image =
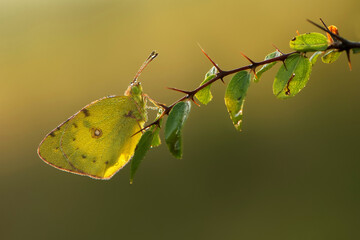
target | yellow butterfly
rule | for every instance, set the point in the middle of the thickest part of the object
(101, 138)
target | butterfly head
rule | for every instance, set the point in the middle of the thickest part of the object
(135, 92)
(135, 89)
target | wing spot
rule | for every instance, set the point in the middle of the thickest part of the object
(107, 162)
(75, 125)
(96, 132)
(74, 139)
(86, 112)
(130, 114)
(94, 161)
(52, 134)
(83, 156)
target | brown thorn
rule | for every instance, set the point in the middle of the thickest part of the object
(192, 99)
(253, 64)
(328, 35)
(323, 23)
(277, 49)
(178, 90)
(348, 57)
(253, 70)
(328, 31)
(146, 127)
(213, 63)
(247, 58)
(222, 80)
(163, 106)
(140, 131)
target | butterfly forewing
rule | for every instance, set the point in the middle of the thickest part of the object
(97, 141)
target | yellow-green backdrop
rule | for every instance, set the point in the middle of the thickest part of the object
(293, 173)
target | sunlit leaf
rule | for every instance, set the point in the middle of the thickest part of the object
(174, 125)
(156, 130)
(141, 149)
(267, 66)
(313, 59)
(235, 97)
(290, 80)
(309, 42)
(204, 95)
(330, 56)
(156, 139)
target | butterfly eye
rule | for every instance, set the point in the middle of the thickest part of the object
(96, 132)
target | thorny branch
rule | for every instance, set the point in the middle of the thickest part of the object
(339, 43)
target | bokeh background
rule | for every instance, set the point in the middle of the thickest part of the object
(292, 173)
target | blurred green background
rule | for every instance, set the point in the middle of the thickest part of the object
(293, 173)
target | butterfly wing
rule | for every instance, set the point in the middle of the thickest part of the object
(98, 140)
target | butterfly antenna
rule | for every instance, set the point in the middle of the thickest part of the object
(147, 61)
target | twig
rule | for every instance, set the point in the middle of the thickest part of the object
(341, 45)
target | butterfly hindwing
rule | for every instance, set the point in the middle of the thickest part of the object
(97, 141)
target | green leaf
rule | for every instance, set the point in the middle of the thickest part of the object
(309, 42)
(315, 56)
(235, 97)
(356, 50)
(290, 80)
(156, 130)
(204, 95)
(141, 149)
(156, 139)
(267, 66)
(174, 125)
(212, 71)
(331, 56)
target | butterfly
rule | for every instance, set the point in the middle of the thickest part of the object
(101, 138)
